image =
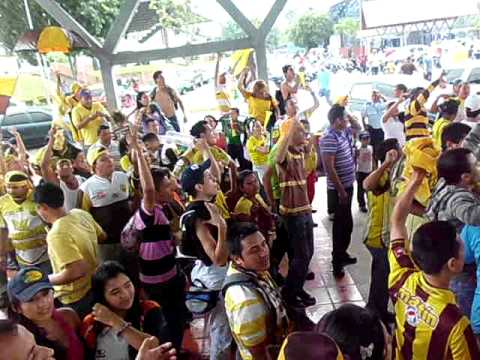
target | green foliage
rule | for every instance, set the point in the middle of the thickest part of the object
(348, 27)
(175, 14)
(95, 15)
(311, 30)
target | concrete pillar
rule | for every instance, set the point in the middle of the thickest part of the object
(261, 56)
(109, 84)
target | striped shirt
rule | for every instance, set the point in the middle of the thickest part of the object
(340, 145)
(26, 231)
(429, 324)
(157, 248)
(416, 119)
(293, 185)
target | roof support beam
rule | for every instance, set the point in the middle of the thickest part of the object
(239, 18)
(120, 26)
(270, 19)
(126, 57)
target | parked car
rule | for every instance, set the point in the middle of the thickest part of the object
(32, 123)
(468, 72)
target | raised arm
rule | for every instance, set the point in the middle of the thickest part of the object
(21, 148)
(241, 82)
(217, 250)
(146, 179)
(372, 181)
(47, 173)
(403, 205)
(316, 102)
(285, 142)
(389, 113)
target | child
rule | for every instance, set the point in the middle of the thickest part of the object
(153, 146)
(429, 324)
(251, 207)
(377, 238)
(364, 167)
(448, 112)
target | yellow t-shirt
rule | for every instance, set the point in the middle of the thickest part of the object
(72, 238)
(26, 230)
(89, 134)
(258, 108)
(126, 163)
(437, 131)
(377, 233)
(253, 143)
(311, 161)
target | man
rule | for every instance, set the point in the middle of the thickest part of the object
(429, 324)
(324, 76)
(233, 131)
(88, 116)
(168, 100)
(205, 238)
(72, 248)
(221, 93)
(373, 113)
(62, 175)
(17, 343)
(339, 163)
(20, 225)
(254, 306)
(105, 196)
(295, 210)
(105, 140)
(289, 87)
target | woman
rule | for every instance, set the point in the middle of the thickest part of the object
(31, 298)
(221, 140)
(116, 326)
(146, 110)
(392, 123)
(258, 149)
(261, 105)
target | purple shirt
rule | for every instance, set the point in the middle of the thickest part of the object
(340, 144)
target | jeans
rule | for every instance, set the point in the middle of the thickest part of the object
(342, 225)
(377, 136)
(300, 248)
(236, 153)
(378, 294)
(174, 122)
(360, 192)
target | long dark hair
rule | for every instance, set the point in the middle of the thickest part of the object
(105, 272)
(39, 333)
(139, 99)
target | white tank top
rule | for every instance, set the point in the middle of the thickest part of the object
(71, 196)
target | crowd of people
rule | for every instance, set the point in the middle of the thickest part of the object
(112, 240)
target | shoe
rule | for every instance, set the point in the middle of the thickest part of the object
(363, 209)
(331, 216)
(306, 298)
(310, 276)
(315, 225)
(314, 211)
(338, 271)
(348, 260)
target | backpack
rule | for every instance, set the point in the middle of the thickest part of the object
(130, 235)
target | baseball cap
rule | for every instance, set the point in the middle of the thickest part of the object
(309, 346)
(75, 87)
(94, 153)
(27, 283)
(193, 175)
(85, 93)
(364, 135)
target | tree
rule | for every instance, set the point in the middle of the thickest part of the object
(95, 15)
(232, 31)
(311, 30)
(347, 28)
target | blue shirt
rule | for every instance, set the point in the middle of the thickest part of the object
(340, 144)
(374, 113)
(324, 79)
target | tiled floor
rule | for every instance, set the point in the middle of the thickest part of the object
(329, 292)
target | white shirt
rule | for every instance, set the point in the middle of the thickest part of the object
(365, 159)
(394, 129)
(71, 196)
(103, 192)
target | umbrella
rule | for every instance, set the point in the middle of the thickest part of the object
(50, 39)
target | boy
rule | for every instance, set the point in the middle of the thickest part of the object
(377, 238)
(429, 324)
(364, 167)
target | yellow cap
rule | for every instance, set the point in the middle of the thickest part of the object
(342, 100)
(94, 153)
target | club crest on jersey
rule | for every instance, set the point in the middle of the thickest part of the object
(412, 316)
